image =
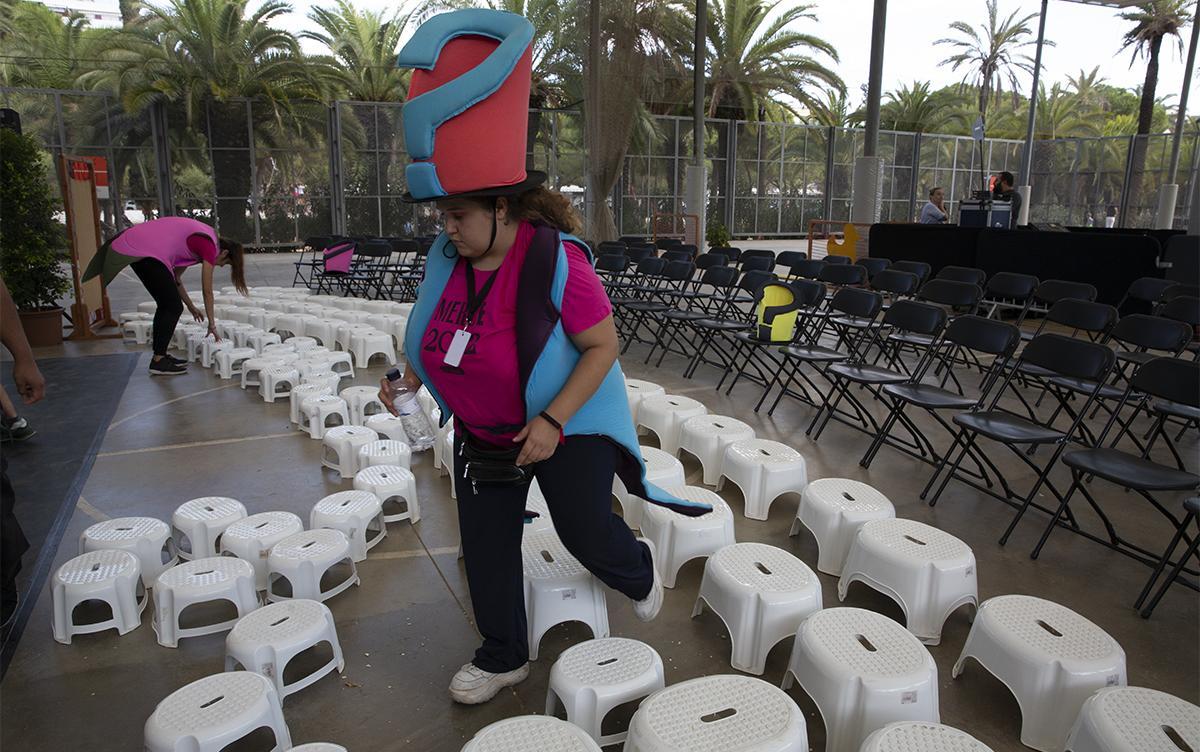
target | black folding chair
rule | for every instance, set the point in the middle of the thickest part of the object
(662, 298)
(806, 269)
(874, 265)
(611, 268)
(729, 252)
(1168, 379)
(1059, 355)
(758, 254)
(611, 246)
(1191, 508)
(736, 314)
(789, 258)
(1008, 291)
(707, 260)
(1146, 292)
(707, 298)
(665, 244)
(1053, 290)
(757, 263)
(310, 260)
(968, 274)
(639, 253)
(677, 255)
(919, 268)
(836, 260)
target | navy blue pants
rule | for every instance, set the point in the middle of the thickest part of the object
(577, 483)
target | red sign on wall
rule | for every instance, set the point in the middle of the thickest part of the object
(79, 171)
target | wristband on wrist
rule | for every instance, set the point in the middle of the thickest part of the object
(550, 419)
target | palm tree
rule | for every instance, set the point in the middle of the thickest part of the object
(1060, 115)
(1086, 87)
(990, 54)
(916, 109)
(202, 55)
(44, 50)
(362, 45)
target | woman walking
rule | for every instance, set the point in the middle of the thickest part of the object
(159, 252)
(512, 333)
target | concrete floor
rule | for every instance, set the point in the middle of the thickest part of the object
(408, 627)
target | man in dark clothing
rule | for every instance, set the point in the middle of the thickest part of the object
(1004, 190)
(31, 385)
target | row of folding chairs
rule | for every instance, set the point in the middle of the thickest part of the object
(378, 267)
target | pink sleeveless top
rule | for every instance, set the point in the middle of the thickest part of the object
(175, 241)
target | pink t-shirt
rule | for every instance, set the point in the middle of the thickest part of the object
(484, 391)
(175, 241)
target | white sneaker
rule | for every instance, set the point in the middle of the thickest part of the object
(472, 685)
(647, 608)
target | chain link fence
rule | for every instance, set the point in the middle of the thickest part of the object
(273, 175)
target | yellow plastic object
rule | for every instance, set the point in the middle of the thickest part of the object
(778, 310)
(848, 244)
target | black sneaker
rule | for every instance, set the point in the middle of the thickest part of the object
(165, 366)
(173, 359)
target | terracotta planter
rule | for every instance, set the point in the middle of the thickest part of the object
(43, 328)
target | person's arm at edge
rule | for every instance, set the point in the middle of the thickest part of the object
(183, 294)
(206, 283)
(29, 380)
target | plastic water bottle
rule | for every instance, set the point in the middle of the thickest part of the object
(416, 425)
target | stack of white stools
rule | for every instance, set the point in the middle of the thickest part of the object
(303, 559)
(1135, 719)
(384, 452)
(341, 445)
(919, 736)
(358, 514)
(591, 678)
(393, 485)
(197, 525)
(212, 713)
(706, 437)
(216, 578)
(303, 392)
(365, 345)
(322, 413)
(863, 671)
(833, 509)
(665, 414)
(146, 538)
(717, 714)
(111, 576)
(929, 572)
(662, 469)
(251, 539)
(1050, 658)
(763, 470)
(277, 381)
(137, 331)
(678, 538)
(529, 732)
(388, 426)
(230, 362)
(637, 390)
(252, 368)
(558, 589)
(266, 640)
(762, 593)
(363, 402)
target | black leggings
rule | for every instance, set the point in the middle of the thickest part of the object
(160, 283)
(577, 483)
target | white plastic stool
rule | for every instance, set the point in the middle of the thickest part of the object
(134, 316)
(303, 559)
(558, 589)
(833, 509)
(678, 538)
(763, 470)
(322, 413)
(323, 331)
(930, 573)
(266, 640)
(535, 501)
(252, 369)
(319, 747)
(1050, 658)
(717, 714)
(262, 340)
(385, 452)
(216, 578)
(137, 331)
(277, 381)
(348, 329)
(358, 514)
(637, 390)
(251, 539)
(311, 368)
(341, 445)
(302, 343)
(110, 576)
(241, 337)
(919, 736)
(762, 593)
(388, 426)
(591, 678)
(148, 306)
(530, 732)
(665, 414)
(863, 671)
(1135, 719)
(280, 348)
(195, 342)
(209, 349)
(196, 525)
(662, 469)
(303, 392)
(363, 402)
(211, 713)
(179, 340)
(389, 323)
(146, 538)
(290, 324)
(229, 362)
(366, 345)
(707, 436)
(392, 485)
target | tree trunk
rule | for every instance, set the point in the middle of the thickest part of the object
(1145, 119)
(129, 11)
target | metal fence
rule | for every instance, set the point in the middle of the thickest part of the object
(273, 175)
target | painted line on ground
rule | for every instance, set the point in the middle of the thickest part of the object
(415, 552)
(192, 444)
(152, 408)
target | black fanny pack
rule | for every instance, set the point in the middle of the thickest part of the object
(486, 466)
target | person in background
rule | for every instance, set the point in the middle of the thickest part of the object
(31, 386)
(934, 212)
(1004, 191)
(159, 252)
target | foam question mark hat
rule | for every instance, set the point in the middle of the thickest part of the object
(467, 114)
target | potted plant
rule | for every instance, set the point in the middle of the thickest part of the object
(717, 236)
(32, 241)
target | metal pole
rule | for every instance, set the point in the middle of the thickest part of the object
(1027, 158)
(1181, 117)
(875, 79)
(698, 60)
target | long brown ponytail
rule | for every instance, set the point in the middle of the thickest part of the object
(237, 263)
